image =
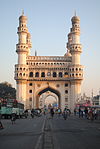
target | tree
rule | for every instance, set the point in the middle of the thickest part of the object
(7, 91)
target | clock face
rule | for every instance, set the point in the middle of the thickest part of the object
(48, 74)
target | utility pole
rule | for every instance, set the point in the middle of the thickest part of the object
(99, 96)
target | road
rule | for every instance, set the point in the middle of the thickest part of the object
(47, 133)
(21, 135)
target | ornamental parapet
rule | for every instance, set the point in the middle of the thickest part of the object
(48, 58)
(47, 66)
(48, 79)
(20, 77)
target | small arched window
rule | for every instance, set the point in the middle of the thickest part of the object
(43, 74)
(30, 91)
(20, 74)
(30, 84)
(66, 73)
(31, 74)
(66, 84)
(54, 74)
(37, 74)
(30, 99)
(66, 91)
(60, 74)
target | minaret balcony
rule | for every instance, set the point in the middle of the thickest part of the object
(22, 29)
(19, 77)
(21, 67)
(75, 68)
(75, 76)
(75, 48)
(21, 47)
(75, 29)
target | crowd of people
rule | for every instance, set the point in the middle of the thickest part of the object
(87, 112)
(65, 113)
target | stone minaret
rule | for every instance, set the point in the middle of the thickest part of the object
(23, 50)
(75, 69)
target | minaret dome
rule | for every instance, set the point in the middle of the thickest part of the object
(75, 19)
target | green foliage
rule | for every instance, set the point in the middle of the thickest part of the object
(7, 91)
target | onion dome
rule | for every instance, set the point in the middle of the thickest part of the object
(75, 19)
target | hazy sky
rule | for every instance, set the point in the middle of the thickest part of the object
(49, 22)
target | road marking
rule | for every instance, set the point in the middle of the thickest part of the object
(39, 142)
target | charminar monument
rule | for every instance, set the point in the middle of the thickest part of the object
(38, 77)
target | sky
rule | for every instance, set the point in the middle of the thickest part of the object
(49, 22)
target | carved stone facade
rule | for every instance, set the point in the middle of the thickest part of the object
(36, 75)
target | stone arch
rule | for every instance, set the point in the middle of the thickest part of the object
(31, 74)
(51, 95)
(40, 92)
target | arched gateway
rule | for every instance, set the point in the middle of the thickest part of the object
(46, 90)
(36, 75)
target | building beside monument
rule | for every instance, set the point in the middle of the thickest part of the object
(40, 76)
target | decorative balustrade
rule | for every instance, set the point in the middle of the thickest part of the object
(48, 58)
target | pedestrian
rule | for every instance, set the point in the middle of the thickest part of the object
(45, 110)
(79, 112)
(82, 113)
(75, 111)
(52, 112)
(1, 125)
(13, 118)
(59, 111)
(65, 112)
(91, 116)
(32, 113)
(95, 112)
(86, 112)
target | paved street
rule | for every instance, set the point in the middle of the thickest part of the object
(22, 135)
(46, 133)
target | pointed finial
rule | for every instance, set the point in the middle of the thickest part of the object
(75, 13)
(92, 93)
(22, 12)
(35, 53)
